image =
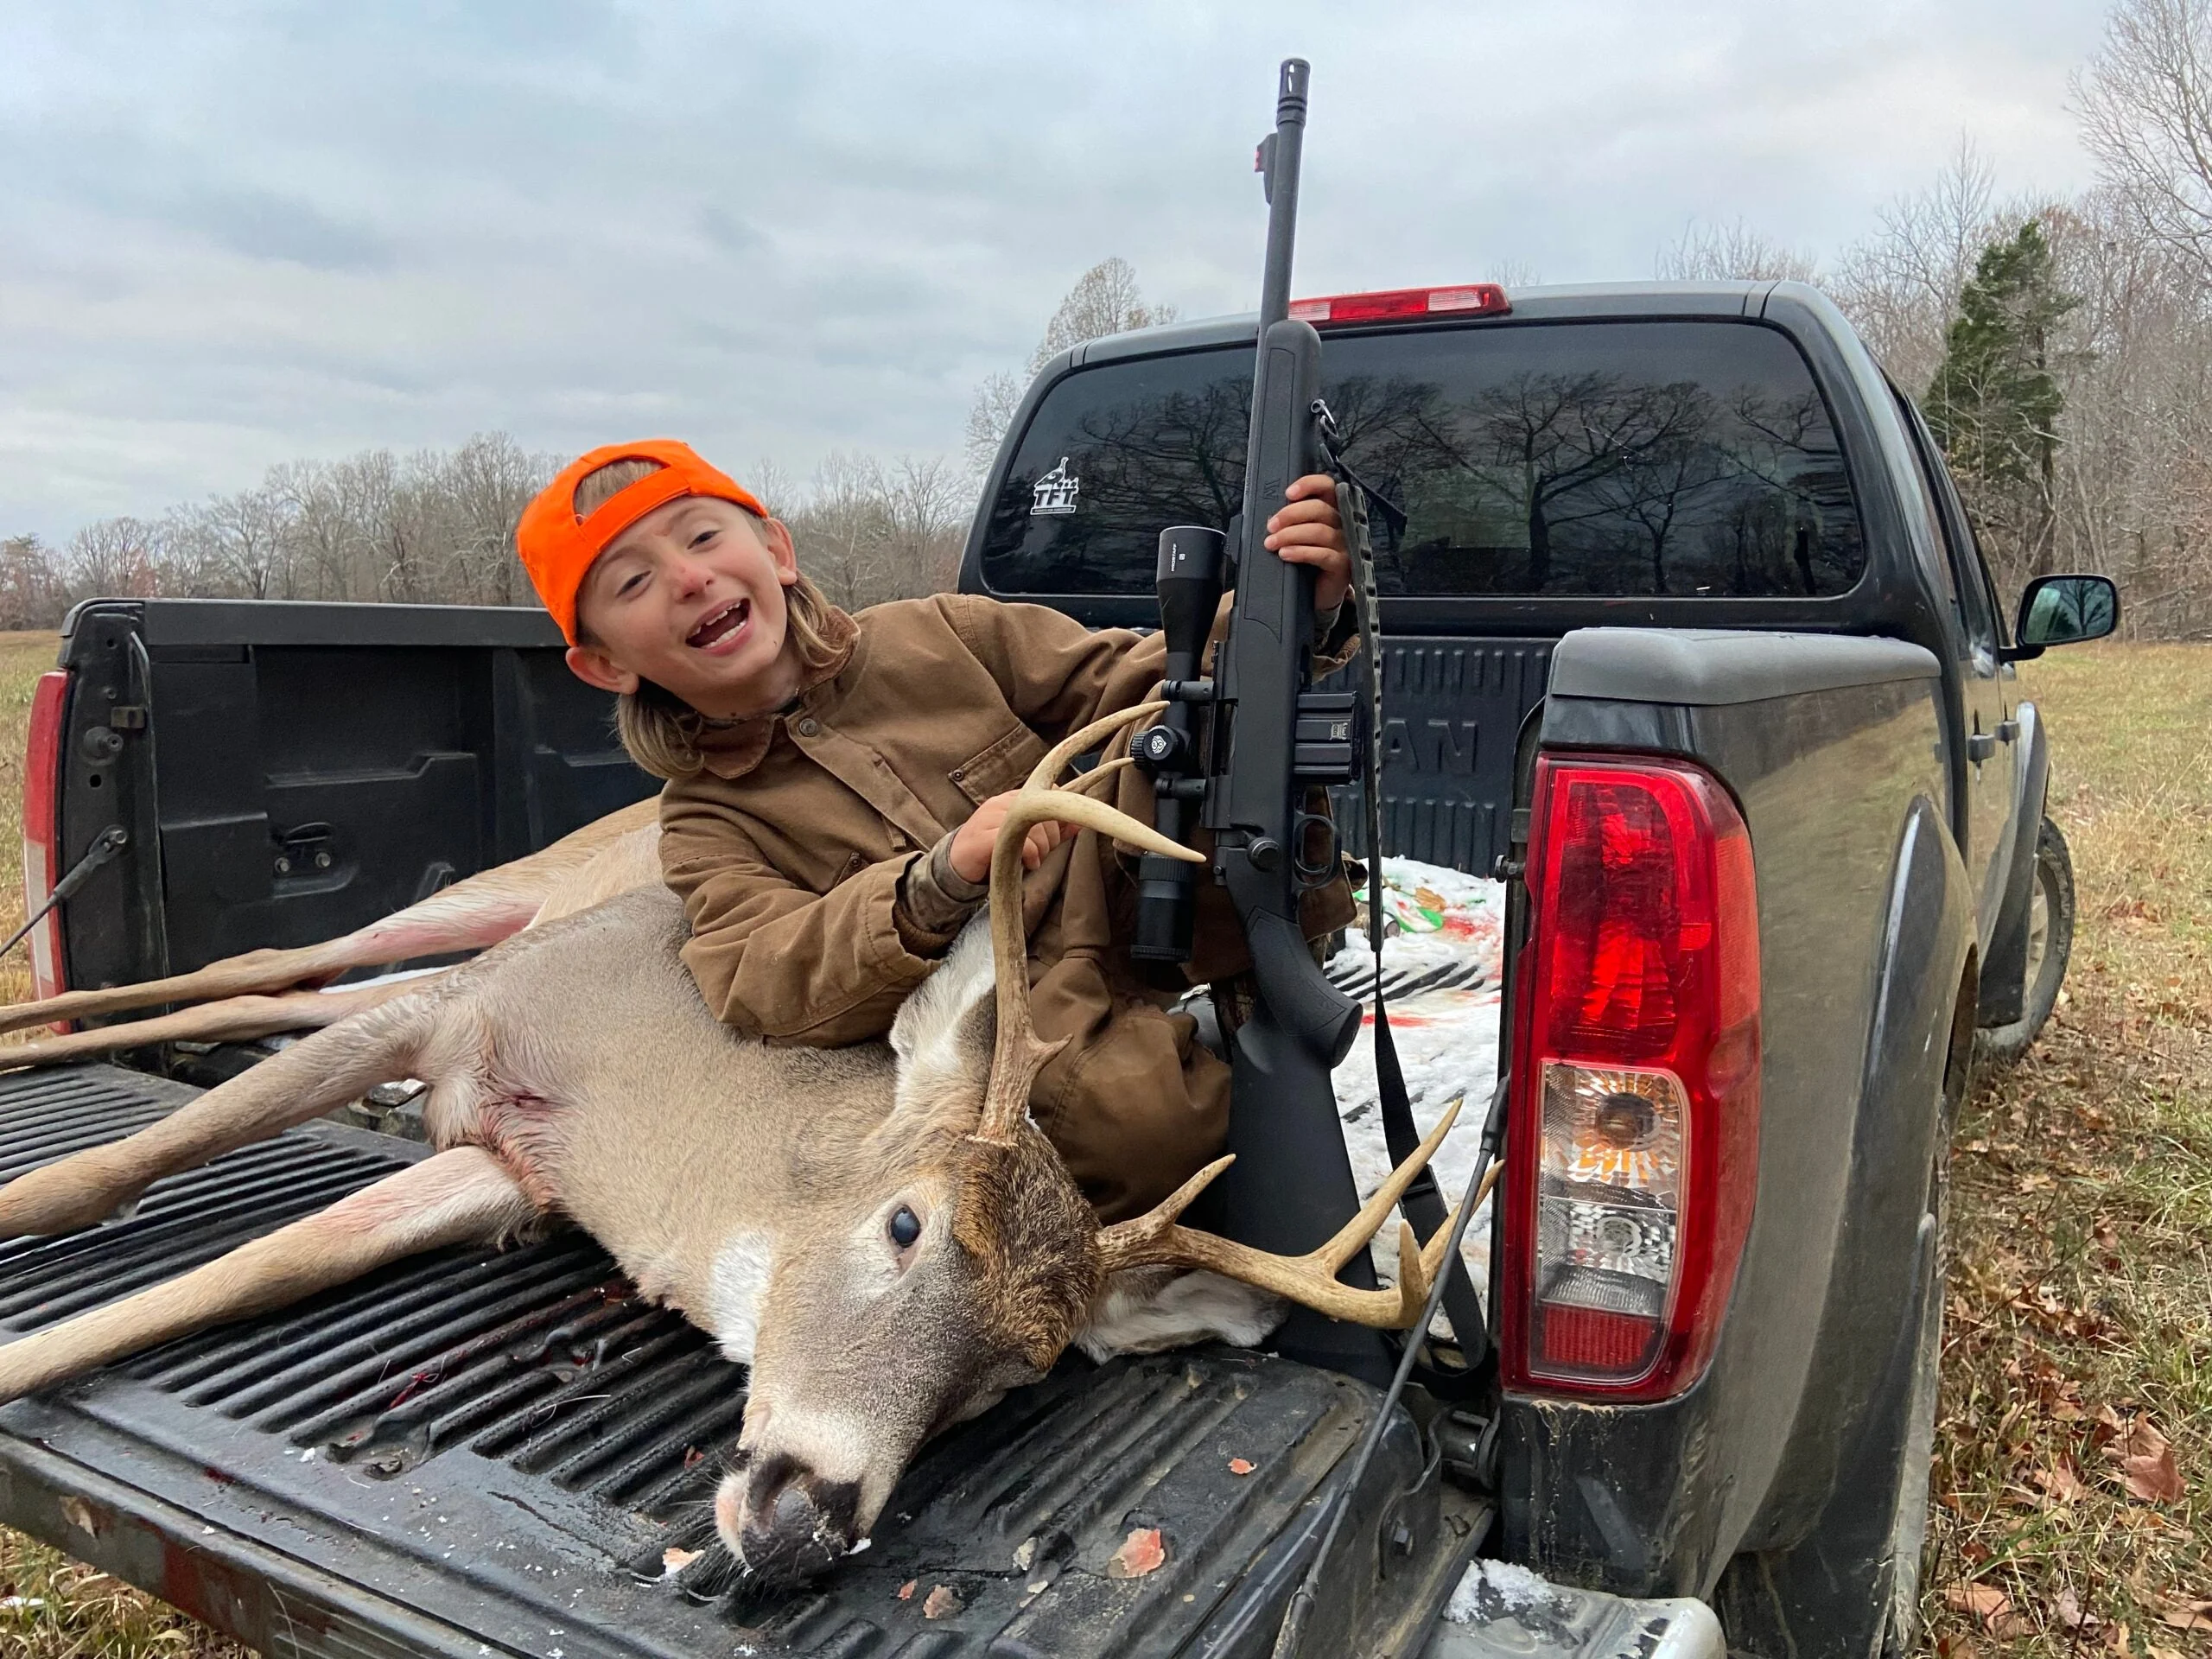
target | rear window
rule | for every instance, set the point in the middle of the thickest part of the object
(1612, 459)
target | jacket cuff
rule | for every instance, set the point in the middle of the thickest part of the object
(1336, 638)
(935, 901)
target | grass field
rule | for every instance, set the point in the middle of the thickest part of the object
(2076, 1428)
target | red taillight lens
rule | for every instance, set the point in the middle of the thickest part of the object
(1468, 299)
(42, 826)
(1633, 1152)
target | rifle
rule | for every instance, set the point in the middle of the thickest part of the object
(1245, 749)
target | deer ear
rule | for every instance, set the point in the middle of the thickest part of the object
(944, 1033)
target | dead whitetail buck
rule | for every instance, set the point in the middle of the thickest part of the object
(880, 1231)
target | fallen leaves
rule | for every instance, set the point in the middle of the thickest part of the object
(2186, 1615)
(2066, 1610)
(2130, 910)
(1141, 1553)
(941, 1602)
(2146, 1462)
(1984, 1602)
(2059, 1484)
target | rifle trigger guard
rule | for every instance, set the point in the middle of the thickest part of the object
(1308, 828)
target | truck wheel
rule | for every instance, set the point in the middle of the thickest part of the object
(2051, 946)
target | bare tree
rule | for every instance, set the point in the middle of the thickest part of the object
(1900, 286)
(483, 486)
(1734, 253)
(866, 532)
(772, 486)
(31, 593)
(988, 417)
(2147, 116)
(245, 540)
(1105, 300)
(113, 556)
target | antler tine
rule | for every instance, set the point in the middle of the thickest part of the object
(1019, 1056)
(1089, 783)
(1046, 771)
(1155, 1240)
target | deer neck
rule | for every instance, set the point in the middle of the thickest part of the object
(697, 1184)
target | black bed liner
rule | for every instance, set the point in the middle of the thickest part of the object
(477, 1452)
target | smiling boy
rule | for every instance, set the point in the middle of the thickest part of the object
(835, 782)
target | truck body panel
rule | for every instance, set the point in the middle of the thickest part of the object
(1689, 1479)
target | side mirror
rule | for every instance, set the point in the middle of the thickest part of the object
(2064, 611)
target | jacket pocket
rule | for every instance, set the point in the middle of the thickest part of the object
(1002, 766)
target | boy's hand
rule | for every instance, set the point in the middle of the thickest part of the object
(1307, 531)
(972, 841)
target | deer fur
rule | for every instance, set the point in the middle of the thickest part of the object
(577, 1077)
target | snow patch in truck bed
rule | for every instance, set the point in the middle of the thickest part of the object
(1449, 925)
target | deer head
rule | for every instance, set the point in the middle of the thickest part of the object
(949, 1256)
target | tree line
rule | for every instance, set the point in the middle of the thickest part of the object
(437, 527)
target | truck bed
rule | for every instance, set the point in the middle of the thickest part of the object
(478, 1452)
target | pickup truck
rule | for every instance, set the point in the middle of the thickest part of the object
(1685, 637)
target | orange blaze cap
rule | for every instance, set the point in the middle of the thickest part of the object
(558, 545)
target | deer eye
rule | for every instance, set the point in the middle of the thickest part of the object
(905, 1227)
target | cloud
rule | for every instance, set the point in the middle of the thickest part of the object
(240, 235)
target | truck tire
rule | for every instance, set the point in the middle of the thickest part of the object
(2050, 947)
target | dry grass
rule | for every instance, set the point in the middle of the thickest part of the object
(51, 1607)
(2081, 1306)
(2080, 1320)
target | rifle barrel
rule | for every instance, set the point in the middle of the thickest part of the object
(1282, 192)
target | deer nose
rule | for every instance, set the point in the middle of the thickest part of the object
(795, 1523)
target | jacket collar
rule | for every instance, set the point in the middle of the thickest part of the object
(730, 749)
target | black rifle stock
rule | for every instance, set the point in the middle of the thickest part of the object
(1292, 1184)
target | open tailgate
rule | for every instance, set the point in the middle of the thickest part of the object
(509, 1452)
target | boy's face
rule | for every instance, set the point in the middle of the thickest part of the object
(691, 597)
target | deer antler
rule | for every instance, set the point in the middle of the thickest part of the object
(1155, 1241)
(1019, 1056)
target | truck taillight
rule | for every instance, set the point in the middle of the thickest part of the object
(42, 827)
(1632, 1157)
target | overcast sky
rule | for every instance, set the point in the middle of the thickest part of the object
(233, 235)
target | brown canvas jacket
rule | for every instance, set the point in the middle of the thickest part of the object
(789, 850)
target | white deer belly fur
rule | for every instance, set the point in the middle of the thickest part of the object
(1157, 1308)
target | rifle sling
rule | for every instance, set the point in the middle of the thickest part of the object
(1423, 1202)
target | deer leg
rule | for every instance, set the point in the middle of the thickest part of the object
(470, 915)
(458, 1197)
(304, 1080)
(234, 1020)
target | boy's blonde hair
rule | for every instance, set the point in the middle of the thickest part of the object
(659, 729)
